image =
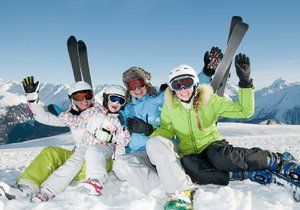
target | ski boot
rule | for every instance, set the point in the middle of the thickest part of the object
(291, 169)
(16, 192)
(260, 176)
(43, 196)
(285, 164)
(91, 186)
(180, 201)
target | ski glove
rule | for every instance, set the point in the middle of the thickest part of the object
(243, 70)
(211, 61)
(136, 125)
(163, 87)
(31, 89)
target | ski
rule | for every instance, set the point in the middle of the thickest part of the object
(84, 63)
(7, 195)
(74, 57)
(220, 91)
(235, 39)
(292, 185)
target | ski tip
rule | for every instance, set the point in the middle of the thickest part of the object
(81, 42)
(72, 39)
(237, 18)
(246, 25)
(242, 25)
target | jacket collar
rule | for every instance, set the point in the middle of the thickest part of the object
(145, 97)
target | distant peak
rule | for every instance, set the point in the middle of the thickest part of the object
(280, 83)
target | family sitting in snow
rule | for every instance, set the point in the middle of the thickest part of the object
(174, 140)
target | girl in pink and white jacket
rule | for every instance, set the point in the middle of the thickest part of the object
(103, 134)
(98, 134)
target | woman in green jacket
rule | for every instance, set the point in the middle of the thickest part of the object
(190, 114)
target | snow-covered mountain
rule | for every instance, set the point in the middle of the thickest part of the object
(15, 115)
(280, 101)
(238, 195)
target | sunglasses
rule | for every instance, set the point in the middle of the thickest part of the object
(117, 99)
(137, 83)
(178, 84)
(86, 94)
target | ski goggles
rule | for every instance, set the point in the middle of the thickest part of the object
(86, 94)
(185, 82)
(137, 83)
(117, 99)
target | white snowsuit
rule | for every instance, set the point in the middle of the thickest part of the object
(94, 145)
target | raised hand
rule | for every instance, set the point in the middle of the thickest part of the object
(211, 61)
(31, 88)
(243, 70)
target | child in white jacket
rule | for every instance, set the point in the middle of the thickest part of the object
(96, 129)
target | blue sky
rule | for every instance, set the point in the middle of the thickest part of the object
(156, 35)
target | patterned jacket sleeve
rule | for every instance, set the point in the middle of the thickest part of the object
(122, 136)
(77, 121)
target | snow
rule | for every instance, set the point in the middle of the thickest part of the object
(121, 195)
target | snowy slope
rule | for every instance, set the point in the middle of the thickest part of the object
(120, 195)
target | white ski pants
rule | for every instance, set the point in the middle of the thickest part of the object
(163, 154)
(137, 169)
(95, 157)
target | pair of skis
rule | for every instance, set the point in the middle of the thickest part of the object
(237, 32)
(80, 65)
(79, 60)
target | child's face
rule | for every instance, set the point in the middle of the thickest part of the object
(113, 106)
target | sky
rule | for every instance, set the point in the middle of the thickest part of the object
(155, 34)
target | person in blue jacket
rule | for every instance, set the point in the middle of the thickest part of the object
(143, 109)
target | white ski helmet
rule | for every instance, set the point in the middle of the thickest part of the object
(78, 86)
(116, 90)
(102, 96)
(183, 70)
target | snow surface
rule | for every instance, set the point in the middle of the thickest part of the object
(120, 195)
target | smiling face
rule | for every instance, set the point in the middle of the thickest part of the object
(114, 107)
(138, 92)
(185, 93)
(83, 104)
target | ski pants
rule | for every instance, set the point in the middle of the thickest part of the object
(213, 165)
(95, 157)
(45, 163)
(137, 169)
(163, 154)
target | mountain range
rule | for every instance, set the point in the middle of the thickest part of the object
(280, 101)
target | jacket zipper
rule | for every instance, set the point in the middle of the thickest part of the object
(191, 130)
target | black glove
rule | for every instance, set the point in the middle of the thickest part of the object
(136, 125)
(31, 89)
(211, 61)
(29, 85)
(163, 87)
(54, 109)
(243, 70)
